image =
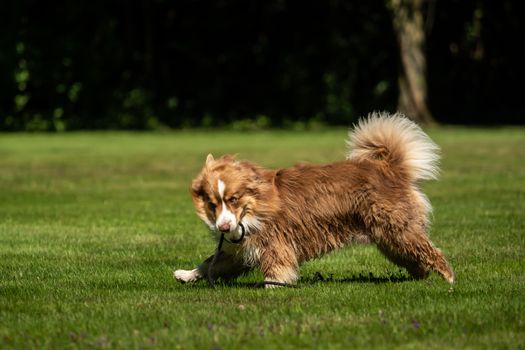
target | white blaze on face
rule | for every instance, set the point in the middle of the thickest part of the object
(221, 186)
(226, 216)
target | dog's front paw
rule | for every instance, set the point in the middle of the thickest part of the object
(271, 286)
(184, 276)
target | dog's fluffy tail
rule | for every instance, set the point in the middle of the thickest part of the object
(398, 141)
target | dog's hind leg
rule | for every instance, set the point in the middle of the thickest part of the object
(226, 267)
(412, 250)
(416, 270)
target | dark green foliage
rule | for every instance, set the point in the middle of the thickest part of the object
(155, 64)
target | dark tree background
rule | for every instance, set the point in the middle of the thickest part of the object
(149, 64)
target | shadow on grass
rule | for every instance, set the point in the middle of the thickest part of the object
(318, 278)
(361, 278)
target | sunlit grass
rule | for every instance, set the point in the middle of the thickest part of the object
(93, 224)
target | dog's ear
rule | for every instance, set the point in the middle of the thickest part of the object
(197, 187)
(209, 159)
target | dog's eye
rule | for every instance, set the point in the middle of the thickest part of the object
(211, 205)
(233, 200)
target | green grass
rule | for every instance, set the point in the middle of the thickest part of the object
(92, 226)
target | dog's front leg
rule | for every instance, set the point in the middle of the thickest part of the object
(279, 265)
(225, 267)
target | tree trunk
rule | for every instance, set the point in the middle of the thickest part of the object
(410, 31)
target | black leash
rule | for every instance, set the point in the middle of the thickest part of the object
(213, 260)
(262, 284)
(274, 283)
(211, 282)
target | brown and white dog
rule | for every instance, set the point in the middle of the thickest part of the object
(296, 214)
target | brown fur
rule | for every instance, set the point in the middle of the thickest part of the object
(306, 211)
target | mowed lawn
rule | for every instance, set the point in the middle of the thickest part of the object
(92, 226)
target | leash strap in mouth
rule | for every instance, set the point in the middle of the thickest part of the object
(243, 232)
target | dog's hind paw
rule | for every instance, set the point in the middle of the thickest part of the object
(184, 276)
